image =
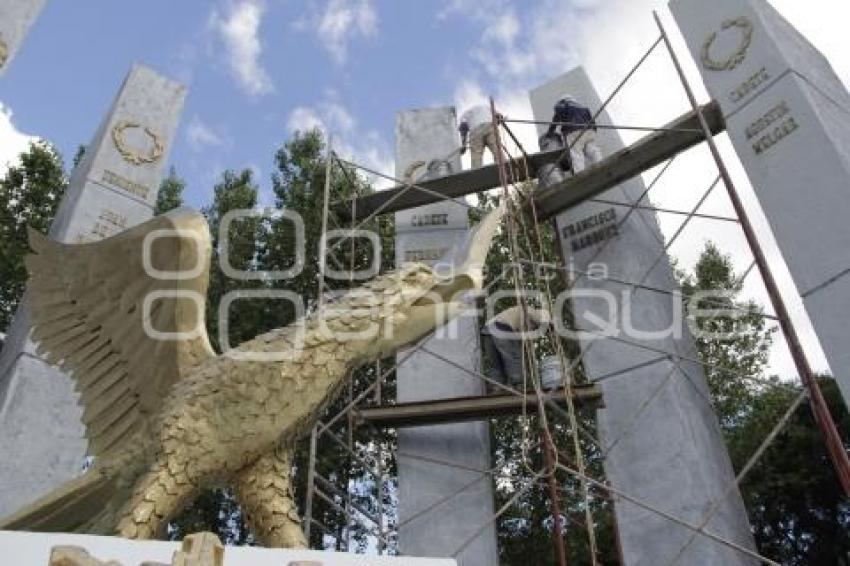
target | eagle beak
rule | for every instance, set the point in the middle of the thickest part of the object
(461, 271)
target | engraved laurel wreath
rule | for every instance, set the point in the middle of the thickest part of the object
(740, 53)
(130, 154)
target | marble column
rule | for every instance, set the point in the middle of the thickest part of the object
(113, 188)
(788, 116)
(658, 427)
(16, 18)
(426, 234)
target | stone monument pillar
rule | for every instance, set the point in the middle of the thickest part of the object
(788, 116)
(658, 427)
(425, 235)
(113, 188)
(16, 17)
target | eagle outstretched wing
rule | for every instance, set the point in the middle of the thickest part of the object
(125, 316)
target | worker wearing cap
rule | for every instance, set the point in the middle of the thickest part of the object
(578, 131)
(502, 338)
(477, 132)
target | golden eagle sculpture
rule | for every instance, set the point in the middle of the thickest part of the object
(166, 418)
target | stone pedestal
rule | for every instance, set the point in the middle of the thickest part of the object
(16, 18)
(36, 549)
(659, 430)
(788, 116)
(425, 235)
(113, 188)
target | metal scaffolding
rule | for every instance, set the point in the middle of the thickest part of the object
(368, 407)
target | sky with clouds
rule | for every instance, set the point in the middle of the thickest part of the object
(260, 69)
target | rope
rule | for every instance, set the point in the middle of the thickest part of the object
(566, 382)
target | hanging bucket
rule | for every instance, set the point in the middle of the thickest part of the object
(550, 372)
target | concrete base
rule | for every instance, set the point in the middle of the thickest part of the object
(35, 390)
(31, 549)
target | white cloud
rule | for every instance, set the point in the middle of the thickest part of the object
(499, 51)
(365, 147)
(200, 135)
(341, 22)
(239, 31)
(328, 116)
(13, 142)
(515, 46)
(305, 118)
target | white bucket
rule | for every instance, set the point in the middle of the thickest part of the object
(550, 372)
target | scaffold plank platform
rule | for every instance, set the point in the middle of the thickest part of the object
(463, 409)
(652, 150)
(677, 136)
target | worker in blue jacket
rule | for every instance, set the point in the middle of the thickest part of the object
(578, 132)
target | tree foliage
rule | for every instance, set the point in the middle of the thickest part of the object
(732, 336)
(299, 186)
(30, 192)
(170, 194)
(795, 504)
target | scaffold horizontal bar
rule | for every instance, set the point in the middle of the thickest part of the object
(680, 135)
(464, 409)
(629, 162)
(404, 197)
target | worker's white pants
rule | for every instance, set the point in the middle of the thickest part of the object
(583, 149)
(480, 137)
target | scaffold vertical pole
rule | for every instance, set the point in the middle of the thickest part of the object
(311, 484)
(825, 422)
(351, 383)
(349, 440)
(323, 244)
(557, 531)
(379, 465)
(311, 465)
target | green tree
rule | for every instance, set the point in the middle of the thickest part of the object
(795, 504)
(247, 317)
(734, 345)
(30, 192)
(170, 194)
